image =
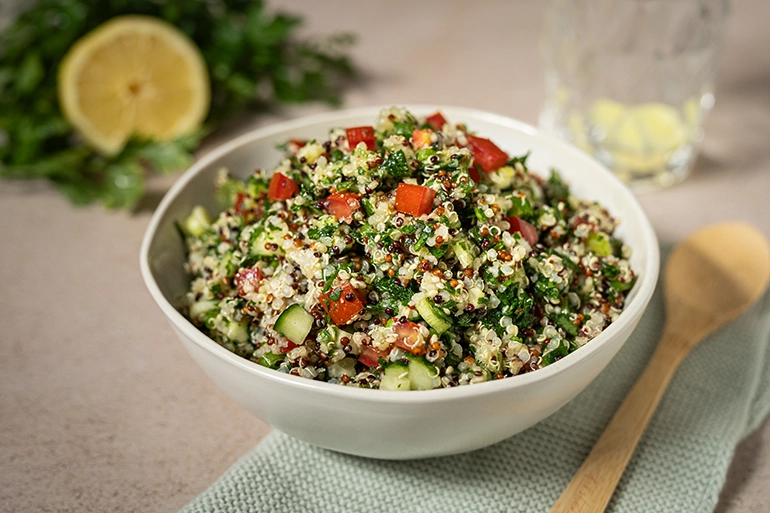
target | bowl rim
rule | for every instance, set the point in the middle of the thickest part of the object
(644, 287)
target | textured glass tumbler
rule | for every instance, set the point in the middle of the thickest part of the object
(630, 81)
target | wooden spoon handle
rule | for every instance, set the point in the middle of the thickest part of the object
(594, 483)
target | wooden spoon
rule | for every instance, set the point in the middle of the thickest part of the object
(713, 276)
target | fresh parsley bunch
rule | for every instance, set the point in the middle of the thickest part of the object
(253, 60)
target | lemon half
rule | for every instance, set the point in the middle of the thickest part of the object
(133, 75)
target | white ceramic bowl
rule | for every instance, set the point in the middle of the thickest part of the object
(391, 424)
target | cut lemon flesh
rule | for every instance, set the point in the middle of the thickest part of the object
(639, 137)
(133, 75)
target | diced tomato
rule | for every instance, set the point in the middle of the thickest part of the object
(287, 345)
(370, 356)
(247, 280)
(359, 134)
(298, 143)
(527, 230)
(473, 171)
(420, 138)
(409, 337)
(486, 153)
(281, 187)
(436, 120)
(415, 200)
(342, 205)
(342, 303)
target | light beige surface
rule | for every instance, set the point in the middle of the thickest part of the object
(100, 407)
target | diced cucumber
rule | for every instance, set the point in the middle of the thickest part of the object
(425, 154)
(433, 316)
(294, 323)
(422, 375)
(327, 335)
(267, 242)
(311, 151)
(197, 222)
(600, 244)
(227, 191)
(237, 331)
(344, 367)
(502, 177)
(395, 377)
(463, 253)
(199, 308)
(271, 360)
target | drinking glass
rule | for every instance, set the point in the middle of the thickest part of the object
(631, 81)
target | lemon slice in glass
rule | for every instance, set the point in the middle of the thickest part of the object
(639, 137)
(133, 75)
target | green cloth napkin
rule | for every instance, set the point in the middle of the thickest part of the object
(718, 396)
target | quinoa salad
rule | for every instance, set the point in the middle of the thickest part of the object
(410, 254)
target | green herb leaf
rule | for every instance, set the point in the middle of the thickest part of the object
(392, 296)
(124, 184)
(557, 189)
(30, 73)
(514, 303)
(564, 322)
(395, 165)
(403, 129)
(169, 156)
